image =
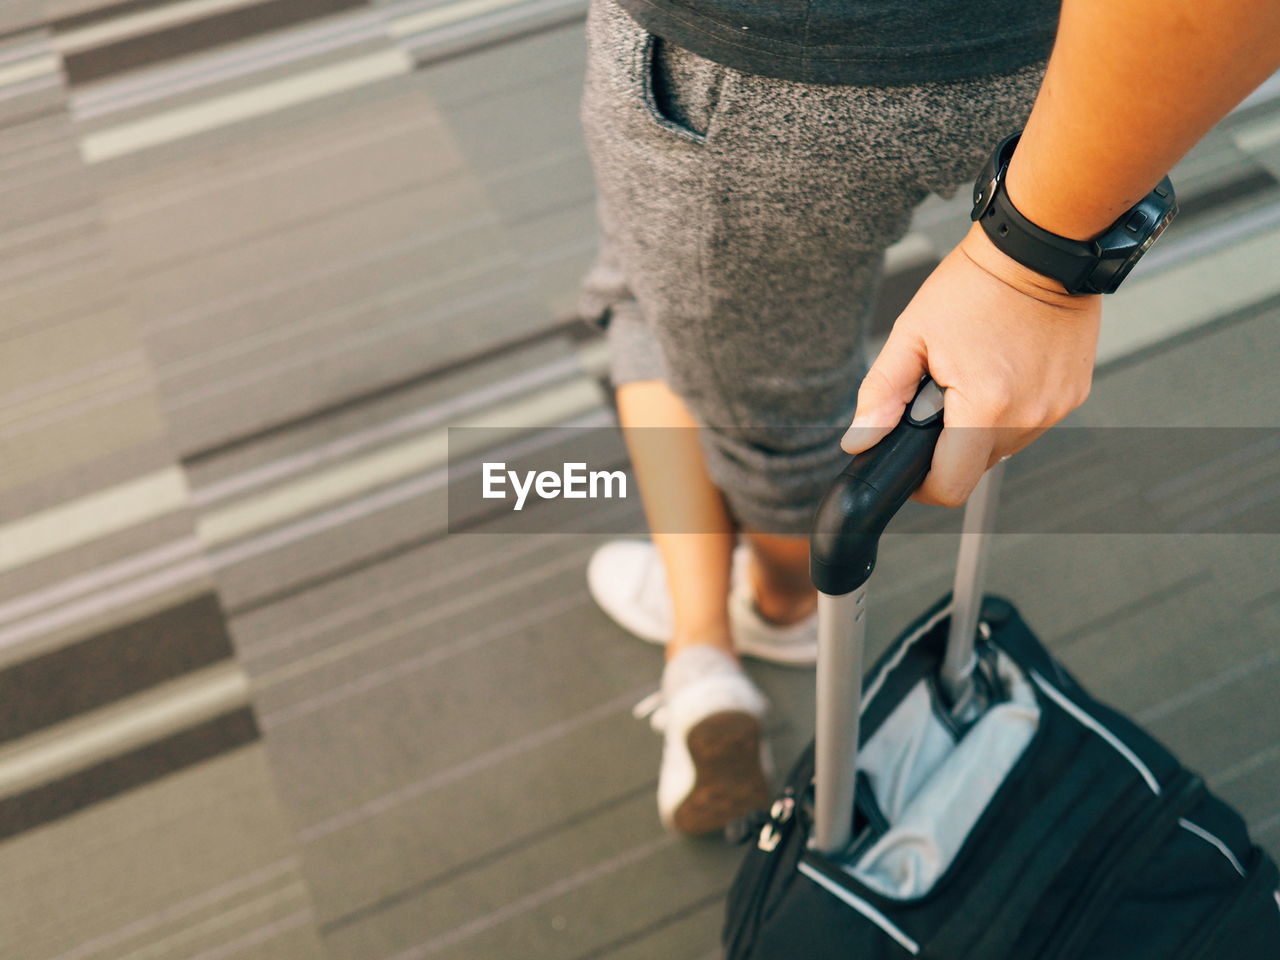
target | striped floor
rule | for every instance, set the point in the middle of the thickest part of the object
(256, 699)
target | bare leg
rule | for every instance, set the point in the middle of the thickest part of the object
(713, 766)
(694, 532)
(779, 574)
(691, 526)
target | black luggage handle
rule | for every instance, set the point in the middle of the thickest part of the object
(869, 491)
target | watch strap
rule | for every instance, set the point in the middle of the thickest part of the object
(1068, 261)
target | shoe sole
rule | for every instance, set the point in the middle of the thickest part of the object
(729, 781)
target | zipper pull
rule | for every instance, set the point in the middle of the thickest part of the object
(779, 815)
(743, 828)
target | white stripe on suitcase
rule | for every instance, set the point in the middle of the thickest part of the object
(1079, 713)
(1205, 835)
(864, 908)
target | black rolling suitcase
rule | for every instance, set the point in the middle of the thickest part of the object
(991, 809)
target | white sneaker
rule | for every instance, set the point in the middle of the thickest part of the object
(791, 644)
(715, 761)
(628, 581)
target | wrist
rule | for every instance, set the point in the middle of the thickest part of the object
(1096, 265)
(1053, 210)
(978, 248)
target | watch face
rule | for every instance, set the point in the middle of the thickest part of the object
(1118, 277)
(1155, 234)
(1143, 247)
(1137, 253)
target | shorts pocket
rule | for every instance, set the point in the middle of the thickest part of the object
(681, 90)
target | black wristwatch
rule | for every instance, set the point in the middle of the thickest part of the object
(1082, 266)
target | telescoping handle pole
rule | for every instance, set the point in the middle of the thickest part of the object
(842, 554)
(956, 673)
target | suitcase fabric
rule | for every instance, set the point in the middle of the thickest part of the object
(1085, 838)
(1075, 856)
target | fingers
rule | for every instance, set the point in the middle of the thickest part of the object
(885, 392)
(966, 447)
(960, 460)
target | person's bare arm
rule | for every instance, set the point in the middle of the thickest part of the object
(1130, 87)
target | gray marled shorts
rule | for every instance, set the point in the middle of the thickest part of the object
(743, 224)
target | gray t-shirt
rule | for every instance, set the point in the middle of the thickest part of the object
(865, 42)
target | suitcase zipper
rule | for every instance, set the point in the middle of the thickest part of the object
(779, 815)
(776, 826)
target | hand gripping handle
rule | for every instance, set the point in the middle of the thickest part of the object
(867, 494)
